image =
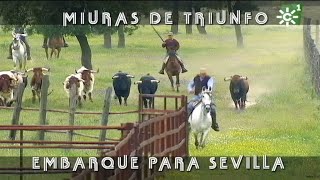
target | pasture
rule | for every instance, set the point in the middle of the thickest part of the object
(282, 118)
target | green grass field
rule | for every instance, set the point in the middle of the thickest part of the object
(282, 118)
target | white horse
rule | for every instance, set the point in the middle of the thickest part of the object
(19, 51)
(200, 119)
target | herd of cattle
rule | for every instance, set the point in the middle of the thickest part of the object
(83, 80)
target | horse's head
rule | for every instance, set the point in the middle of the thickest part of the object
(206, 99)
(172, 54)
(16, 42)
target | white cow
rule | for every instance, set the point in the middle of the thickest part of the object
(88, 76)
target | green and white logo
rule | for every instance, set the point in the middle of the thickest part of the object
(290, 14)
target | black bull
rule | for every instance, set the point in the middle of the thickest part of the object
(122, 86)
(147, 85)
(239, 88)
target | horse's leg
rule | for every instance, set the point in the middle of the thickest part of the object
(196, 142)
(46, 50)
(33, 96)
(24, 63)
(177, 82)
(171, 81)
(204, 138)
(52, 50)
(59, 49)
(20, 64)
(201, 140)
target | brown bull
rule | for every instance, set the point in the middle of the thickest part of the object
(239, 88)
(36, 81)
(6, 89)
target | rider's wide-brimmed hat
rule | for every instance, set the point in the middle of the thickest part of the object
(170, 34)
(203, 71)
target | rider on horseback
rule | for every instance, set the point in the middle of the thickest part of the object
(195, 87)
(20, 30)
(172, 45)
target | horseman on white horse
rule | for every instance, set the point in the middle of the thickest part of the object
(20, 31)
(196, 87)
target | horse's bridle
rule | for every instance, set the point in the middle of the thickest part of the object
(17, 46)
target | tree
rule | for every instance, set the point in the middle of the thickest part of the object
(244, 6)
(175, 17)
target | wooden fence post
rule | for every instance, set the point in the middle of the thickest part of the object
(105, 114)
(73, 97)
(17, 110)
(43, 104)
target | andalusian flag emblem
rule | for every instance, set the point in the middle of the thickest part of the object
(290, 14)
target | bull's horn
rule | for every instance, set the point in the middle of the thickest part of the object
(13, 78)
(31, 69)
(227, 78)
(115, 77)
(153, 81)
(130, 76)
(13, 34)
(93, 71)
(45, 69)
(81, 80)
(138, 82)
(246, 78)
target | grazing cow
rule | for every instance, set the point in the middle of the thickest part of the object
(88, 77)
(36, 81)
(74, 79)
(239, 88)
(122, 85)
(7, 83)
(147, 85)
